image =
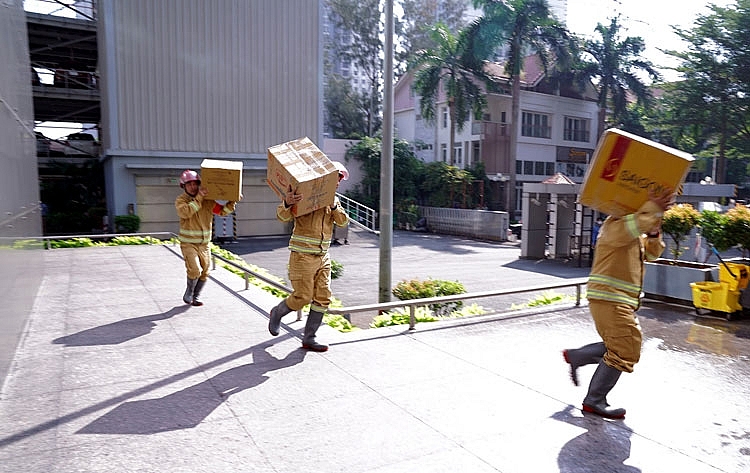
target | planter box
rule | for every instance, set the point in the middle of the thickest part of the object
(669, 280)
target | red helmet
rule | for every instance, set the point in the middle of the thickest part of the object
(187, 176)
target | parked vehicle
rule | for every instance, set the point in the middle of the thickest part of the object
(81, 144)
(42, 144)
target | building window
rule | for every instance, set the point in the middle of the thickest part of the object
(519, 167)
(475, 152)
(550, 169)
(444, 152)
(576, 129)
(528, 168)
(457, 154)
(445, 117)
(539, 168)
(535, 125)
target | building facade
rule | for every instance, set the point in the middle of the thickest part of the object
(185, 80)
(556, 133)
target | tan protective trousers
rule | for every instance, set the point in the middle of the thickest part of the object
(618, 326)
(310, 276)
(197, 260)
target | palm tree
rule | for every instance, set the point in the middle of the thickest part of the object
(614, 70)
(450, 65)
(523, 27)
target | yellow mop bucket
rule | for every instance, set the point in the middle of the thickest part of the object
(734, 274)
(715, 296)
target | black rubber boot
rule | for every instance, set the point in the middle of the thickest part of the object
(188, 297)
(586, 355)
(604, 379)
(274, 319)
(197, 292)
(314, 319)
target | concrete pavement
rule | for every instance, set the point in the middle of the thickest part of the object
(114, 374)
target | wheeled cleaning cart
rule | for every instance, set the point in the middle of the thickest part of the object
(729, 296)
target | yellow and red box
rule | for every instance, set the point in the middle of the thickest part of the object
(299, 165)
(625, 167)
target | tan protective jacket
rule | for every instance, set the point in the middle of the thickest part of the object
(313, 232)
(197, 215)
(617, 272)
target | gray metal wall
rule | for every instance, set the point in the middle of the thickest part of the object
(183, 80)
(21, 257)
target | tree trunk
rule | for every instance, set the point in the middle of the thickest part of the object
(452, 140)
(510, 185)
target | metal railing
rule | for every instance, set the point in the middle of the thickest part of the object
(247, 272)
(360, 215)
(412, 304)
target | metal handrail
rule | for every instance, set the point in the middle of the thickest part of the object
(247, 272)
(357, 212)
(412, 304)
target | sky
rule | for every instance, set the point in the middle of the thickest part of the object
(649, 19)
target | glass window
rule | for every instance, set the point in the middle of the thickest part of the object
(550, 169)
(445, 117)
(535, 125)
(576, 129)
(539, 168)
(528, 168)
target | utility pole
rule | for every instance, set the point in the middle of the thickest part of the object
(386, 163)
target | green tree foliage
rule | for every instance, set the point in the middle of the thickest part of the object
(521, 27)
(417, 21)
(361, 20)
(449, 68)
(713, 227)
(679, 220)
(614, 64)
(444, 185)
(346, 109)
(408, 173)
(708, 109)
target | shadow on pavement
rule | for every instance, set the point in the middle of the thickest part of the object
(120, 331)
(188, 407)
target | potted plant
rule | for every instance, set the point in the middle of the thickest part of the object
(679, 220)
(669, 279)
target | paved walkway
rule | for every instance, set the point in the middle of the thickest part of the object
(114, 374)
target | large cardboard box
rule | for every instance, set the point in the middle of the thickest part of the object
(625, 167)
(223, 179)
(299, 164)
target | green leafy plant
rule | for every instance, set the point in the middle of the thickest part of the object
(679, 220)
(738, 226)
(127, 223)
(415, 289)
(545, 298)
(337, 269)
(400, 316)
(714, 228)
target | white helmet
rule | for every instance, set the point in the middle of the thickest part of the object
(342, 169)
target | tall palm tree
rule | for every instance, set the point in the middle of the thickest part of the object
(449, 65)
(613, 66)
(523, 27)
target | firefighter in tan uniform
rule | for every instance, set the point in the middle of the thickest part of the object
(309, 263)
(614, 291)
(196, 218)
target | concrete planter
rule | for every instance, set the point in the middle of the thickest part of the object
(669, 280)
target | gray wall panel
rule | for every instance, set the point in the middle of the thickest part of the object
(220, 76)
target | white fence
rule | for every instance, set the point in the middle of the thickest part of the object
(484, 224)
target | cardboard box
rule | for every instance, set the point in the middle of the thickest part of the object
(304, 167)
(625, 167)
(223, 179)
